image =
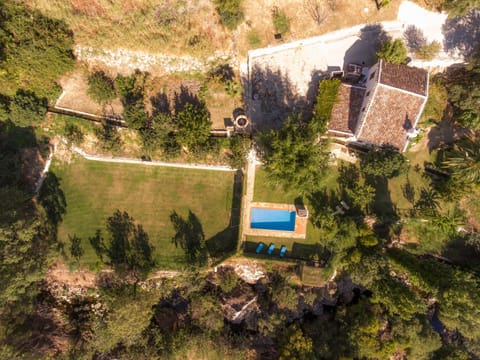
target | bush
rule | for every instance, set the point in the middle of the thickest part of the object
(254, 39)
(135, 114)
(394, 52)
(100, 87)
(326, 98)
(230, 12)
(228, 281)
(281, 23)
(429, 51)
(239, 147)
(73, 134)
(193, 125)
(109, 138)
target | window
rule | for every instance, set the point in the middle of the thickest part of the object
(371, 76)
(368, 93)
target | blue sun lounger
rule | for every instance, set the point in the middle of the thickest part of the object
(259, 247)
(270, 249)
(283, 250)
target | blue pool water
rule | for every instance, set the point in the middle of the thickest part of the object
(269, 219)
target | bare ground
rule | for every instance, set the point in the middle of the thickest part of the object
(75, 86)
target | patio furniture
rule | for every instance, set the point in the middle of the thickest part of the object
(283, 250)
(271, 247)
(260, 247)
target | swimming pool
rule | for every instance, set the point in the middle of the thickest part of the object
(269, 219)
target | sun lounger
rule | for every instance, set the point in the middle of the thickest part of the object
(283, 250)
(270, 249)
(260, 247)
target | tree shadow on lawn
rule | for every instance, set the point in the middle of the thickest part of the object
(224, 243)
(383, 207)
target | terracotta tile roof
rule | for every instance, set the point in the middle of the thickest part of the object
(391, 114)
(345, 111)
(404, 77)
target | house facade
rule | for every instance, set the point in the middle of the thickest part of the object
(382, 110)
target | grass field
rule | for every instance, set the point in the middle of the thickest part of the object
(94, 190)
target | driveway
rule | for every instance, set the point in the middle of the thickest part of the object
(285, 78)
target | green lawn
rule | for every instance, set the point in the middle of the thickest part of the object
(93, 191)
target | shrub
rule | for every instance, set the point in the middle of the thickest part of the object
(281, 23)
(100, 87)
(109, 138)
(230, 12)
(73, 133)
(193, 125)
(253, 39)
(429, 51)
(228, 281)
(327, 95)
(239, 147)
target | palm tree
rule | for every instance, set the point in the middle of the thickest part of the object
(464, 161)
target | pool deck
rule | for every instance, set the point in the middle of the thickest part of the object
(300, 231)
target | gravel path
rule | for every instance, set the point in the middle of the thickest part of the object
(149, 163)
(126, 61)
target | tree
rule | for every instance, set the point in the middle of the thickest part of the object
(463, 86)
(464, 161)
(34, 50)
(460, 7)
(128, 248)
(101, 87)
(416, 336)
(193, 125)
(292, 156)
(230, 12)
(387, 163)
(76, 249)
(317, 9)
(414, 38)
(189, 236)
(294, 345)
(393, 52)
(397, 298)
(361, 196)
(27, 109)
